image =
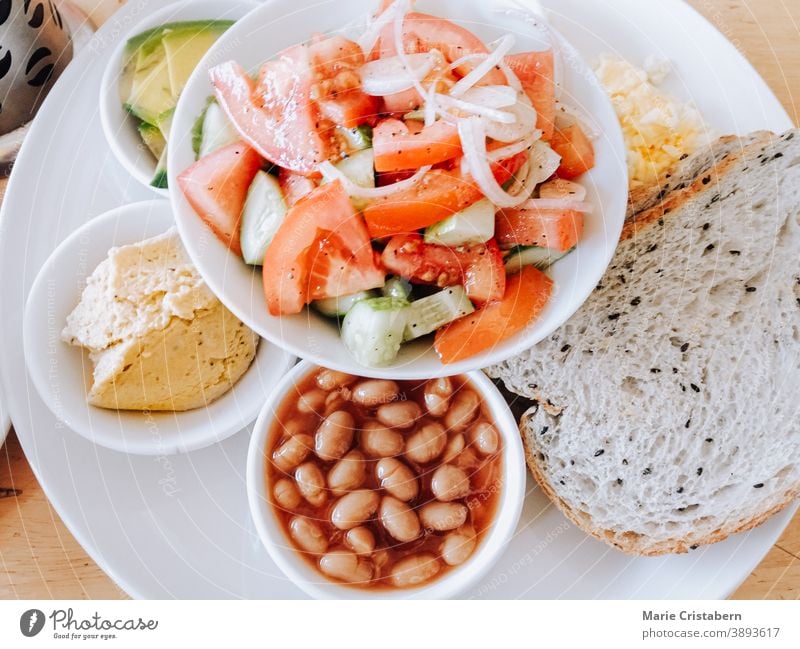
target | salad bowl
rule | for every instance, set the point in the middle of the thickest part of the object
(278, 25)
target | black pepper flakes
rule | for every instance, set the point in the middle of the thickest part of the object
(680, 490)
(694, 547)
(706, 226)
(625, 462)
(636, 301)
(700, 471)
(565, 349)
(647, 471)
(709, 440)
(694, 387)
(760, 485)
(751, 289)
(710, 247)
(684, 347)
(706, 180)
(614, 316)
(736, 253)
(599, 453)
(688, 423)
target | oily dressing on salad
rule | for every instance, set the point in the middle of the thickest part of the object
(416, 181)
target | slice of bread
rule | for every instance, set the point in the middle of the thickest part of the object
(666, 413)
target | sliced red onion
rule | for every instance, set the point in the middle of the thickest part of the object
(557, 204)
(331, 173)
(513, 149)
(391, 75)
(493, 59)
(560, 188)
(586, 123)
(491, 96)
(371, 35)
(511, 76)
(491, 114)
(473, 142)
(523, 124)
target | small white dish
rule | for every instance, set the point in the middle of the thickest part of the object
(118, 125)
(278, 24)
(452, 583)
(62, 373)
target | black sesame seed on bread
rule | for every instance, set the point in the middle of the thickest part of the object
(666, 412)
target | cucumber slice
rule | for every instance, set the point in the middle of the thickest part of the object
(360, 168)
(216, 131)
(336, 307)
(541, 258)
(358, 138)
(373, 329)
(153, 139)
(262, 215)
(160, 177)
(472, 225)
(397, 287)
(429, 313)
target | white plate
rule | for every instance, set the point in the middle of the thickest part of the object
(311, 335)
(62, 374)
(199, 541)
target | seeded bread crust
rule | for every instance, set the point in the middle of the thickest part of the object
(650, 473)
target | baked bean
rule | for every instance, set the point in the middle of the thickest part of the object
(346, 566)
(455, 445)
(485, 438)
(334, 436)
(467, 460)
(292, 452)
(308, 535)
(331, 379)
(458, 546)
(354, 508)
(449, 483)
(378, 441)
(347, 474)
(312, 402)
(334, 402)
(399, 414)
(426, 444)
(399, 519)
(297, 426)
(360, 540)
(286, 494)
(462, 411)
(397, 479)
(415, 570)
(311, 483)
(437, 395)
(373, 392)
(442, 517)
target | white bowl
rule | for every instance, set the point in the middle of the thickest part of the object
(454, 581)
(281, 23)
(118, 125)
(62, 373)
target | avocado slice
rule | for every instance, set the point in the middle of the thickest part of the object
(160, 60)
(185, 48)
(153, 139)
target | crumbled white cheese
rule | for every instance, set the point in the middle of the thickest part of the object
(658, 128)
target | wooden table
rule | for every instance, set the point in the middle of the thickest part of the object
(39, 558)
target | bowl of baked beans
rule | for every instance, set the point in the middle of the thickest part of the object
(363, 487)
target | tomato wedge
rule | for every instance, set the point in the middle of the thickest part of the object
(295, 186)
(478, 268)
(536, 72)
(438, 195)
(396, 148)
(277, 117)
(335, 63)
(526, 294)
(216, 188)
(555, 229)
(423, 33)
(576, 151)
(321, 250)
